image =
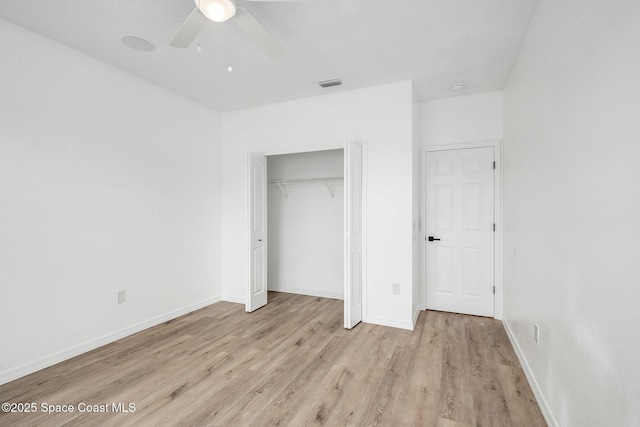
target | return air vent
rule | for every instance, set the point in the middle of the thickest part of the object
(329, 83)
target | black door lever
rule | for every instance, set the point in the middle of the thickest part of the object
(431, 238)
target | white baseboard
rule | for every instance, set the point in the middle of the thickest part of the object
(76, 350)
(232, 298)
(309, 292)
(535, 388)
(394, 323)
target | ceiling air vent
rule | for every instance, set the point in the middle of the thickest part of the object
(329, 83)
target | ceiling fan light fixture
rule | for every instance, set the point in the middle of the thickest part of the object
(217, 10)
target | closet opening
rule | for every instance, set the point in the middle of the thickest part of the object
(305, 219)
(306, 226)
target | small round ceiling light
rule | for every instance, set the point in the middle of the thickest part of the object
(457, 86)
(137, 43)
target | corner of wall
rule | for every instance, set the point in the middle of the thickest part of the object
(416, 210)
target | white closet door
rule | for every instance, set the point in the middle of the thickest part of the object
(353, 235)
(257, 290)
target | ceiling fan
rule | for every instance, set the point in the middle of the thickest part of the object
(221, 11)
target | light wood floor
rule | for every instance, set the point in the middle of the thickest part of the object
(290, 363)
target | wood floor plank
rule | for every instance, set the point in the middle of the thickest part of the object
(392, 392)
(289, 363)
(274, 382)
(293, 397)
(522, 405)
(455, 394)
(335, 382)
(424, 384)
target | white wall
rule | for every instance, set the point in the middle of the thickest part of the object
(379, 115)
(572, 209)
(417, 206)
(306, 227)
(466, 118)
(107, 183)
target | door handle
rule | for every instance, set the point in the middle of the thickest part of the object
(259, 240)
(431, 238)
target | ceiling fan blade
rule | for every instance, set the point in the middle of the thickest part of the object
(189, 29)
(258, 33)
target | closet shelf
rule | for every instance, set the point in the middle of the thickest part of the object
(282, 183)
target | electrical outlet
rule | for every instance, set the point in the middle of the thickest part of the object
(395, 288)
(122, 297)
(536, 334)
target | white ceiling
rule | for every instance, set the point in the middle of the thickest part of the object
(362, 42)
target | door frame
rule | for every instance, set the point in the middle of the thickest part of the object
(497, 209)
(307, 149)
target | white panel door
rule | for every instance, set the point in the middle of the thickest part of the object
(353, 235)
(257, 282)
(460, 230)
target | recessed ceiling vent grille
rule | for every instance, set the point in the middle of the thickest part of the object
(329, 83)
